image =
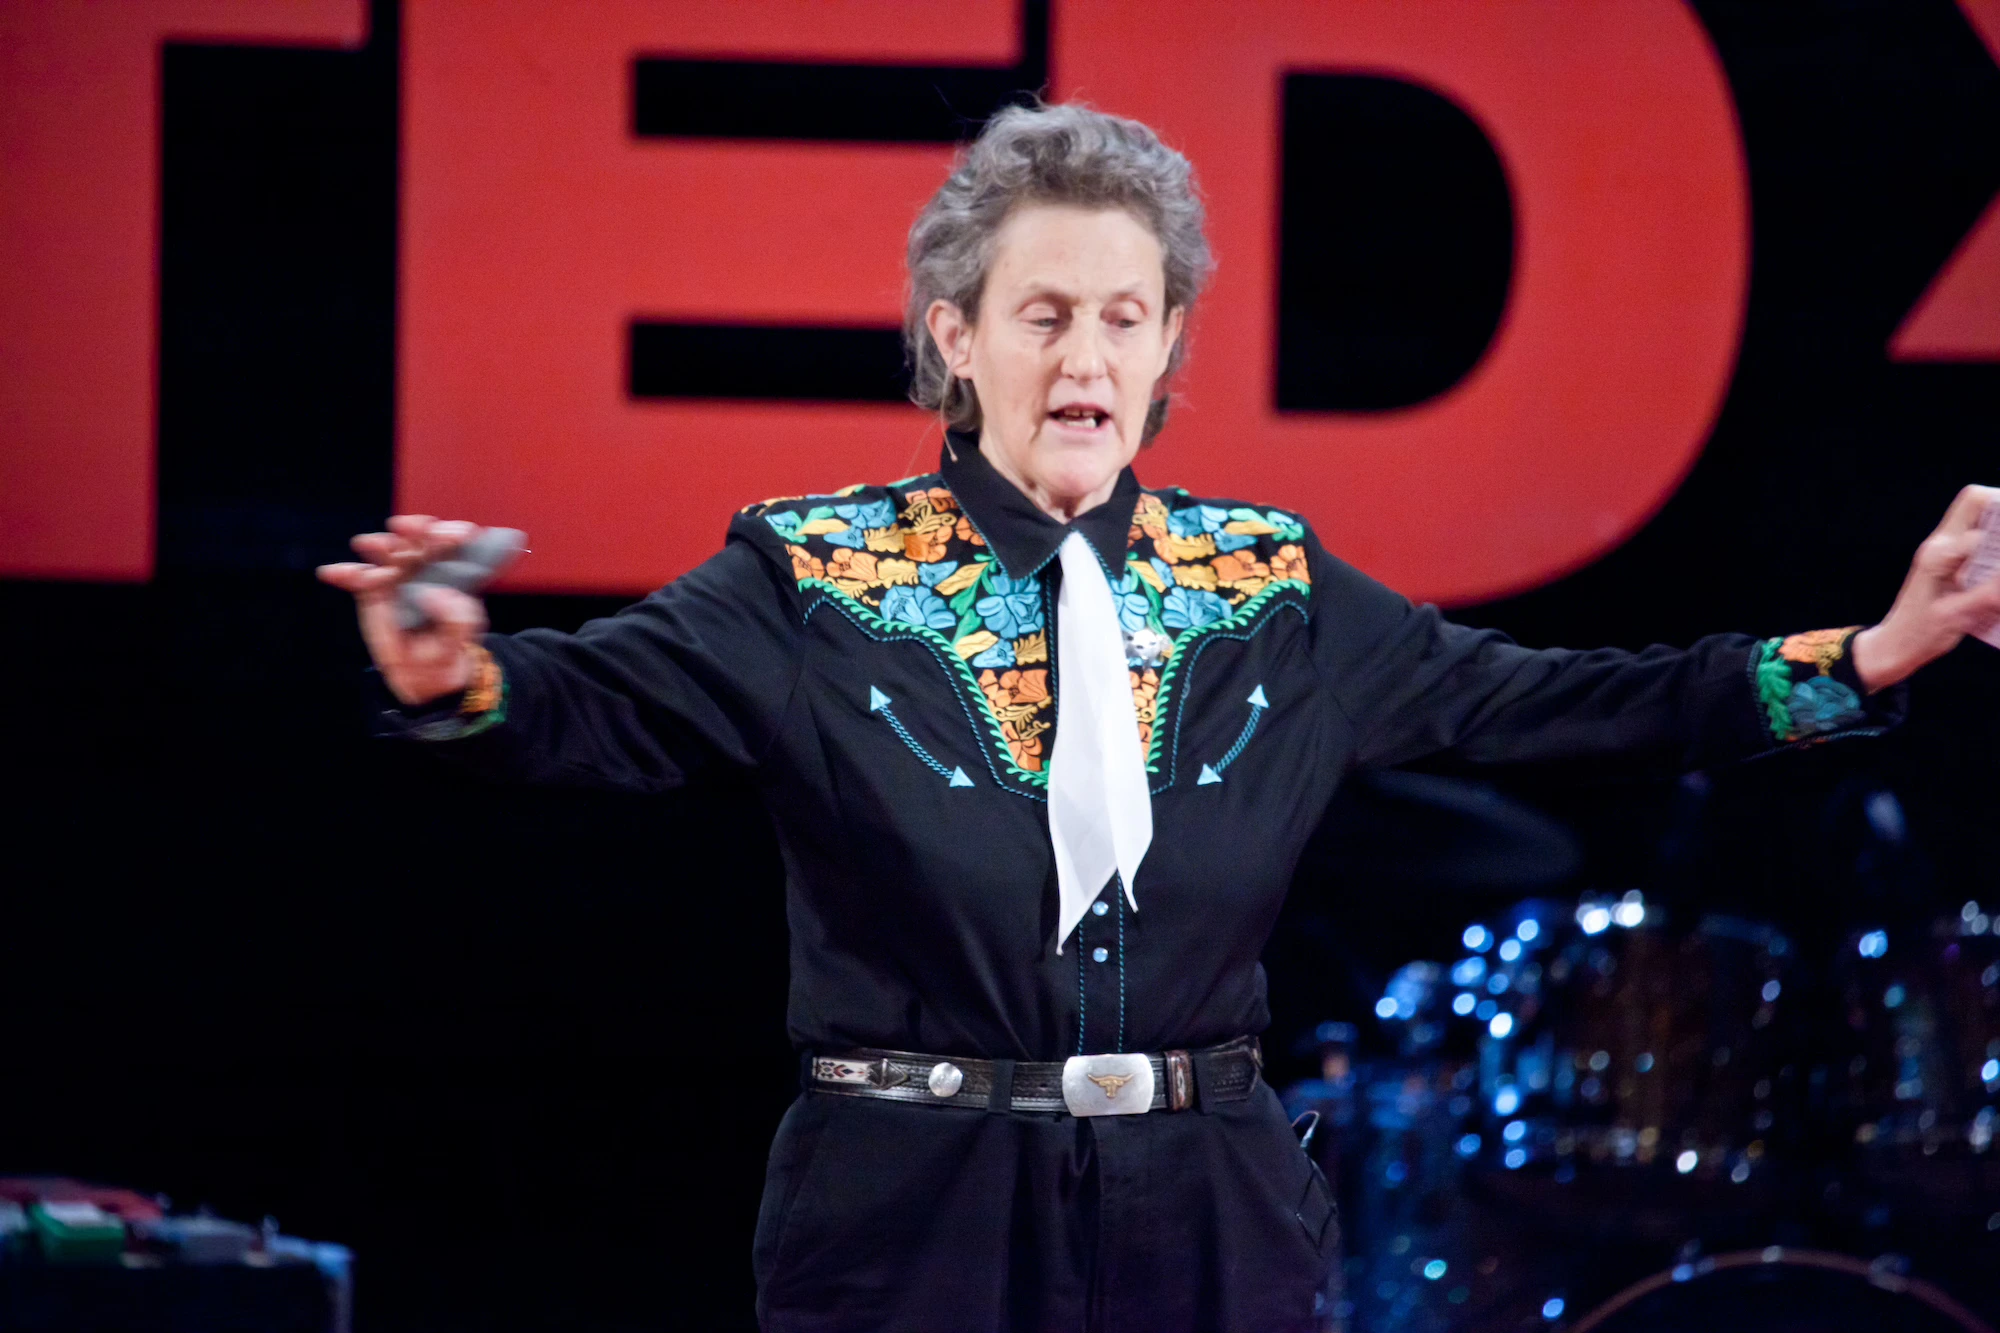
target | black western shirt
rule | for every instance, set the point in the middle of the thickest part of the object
(882, 662)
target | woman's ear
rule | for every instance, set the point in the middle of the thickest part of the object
(952, 333)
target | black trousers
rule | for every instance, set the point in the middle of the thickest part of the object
(885, 1215)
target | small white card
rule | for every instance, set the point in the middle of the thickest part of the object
(1984, 563)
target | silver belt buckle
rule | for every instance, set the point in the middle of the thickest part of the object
(1119, 1084)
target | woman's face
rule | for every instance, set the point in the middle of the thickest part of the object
(1072, 336)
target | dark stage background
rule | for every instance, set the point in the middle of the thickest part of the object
(258, 961)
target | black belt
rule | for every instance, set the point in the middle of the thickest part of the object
(1086, 1085)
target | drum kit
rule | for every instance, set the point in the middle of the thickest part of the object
(1609, 1115)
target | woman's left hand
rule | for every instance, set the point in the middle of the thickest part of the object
(1932, 613)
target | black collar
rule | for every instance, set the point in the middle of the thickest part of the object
(1022, 537)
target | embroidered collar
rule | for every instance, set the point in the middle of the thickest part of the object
(1022, 537)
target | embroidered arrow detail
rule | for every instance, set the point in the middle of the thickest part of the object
(1212, 773)
(878, 702)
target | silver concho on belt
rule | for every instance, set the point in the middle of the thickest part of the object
(1120, 1084)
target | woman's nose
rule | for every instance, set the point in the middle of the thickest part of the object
(1083, 351)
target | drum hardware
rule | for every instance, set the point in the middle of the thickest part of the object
(1606, 1042)
(1923, 1011)
(1588, 1079)
(1775, 1290)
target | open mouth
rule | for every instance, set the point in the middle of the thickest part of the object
(1081, 416)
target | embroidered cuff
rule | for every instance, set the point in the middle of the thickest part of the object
(479, 707)
(1807, 687)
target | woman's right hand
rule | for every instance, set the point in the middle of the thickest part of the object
(436, 659)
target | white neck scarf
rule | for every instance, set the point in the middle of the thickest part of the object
(1100, 811)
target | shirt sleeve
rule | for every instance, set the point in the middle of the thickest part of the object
(1412, 685)
(697, 675)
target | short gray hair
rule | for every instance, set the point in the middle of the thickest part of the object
(1066, 154)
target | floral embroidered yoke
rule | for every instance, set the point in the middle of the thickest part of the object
(880, 663)
(911, 564)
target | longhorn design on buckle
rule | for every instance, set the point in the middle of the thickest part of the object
(1120, 1084)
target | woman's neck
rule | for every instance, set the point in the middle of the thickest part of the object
(1060, 506)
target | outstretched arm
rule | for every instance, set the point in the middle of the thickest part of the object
(698, 674)
(1413, 685)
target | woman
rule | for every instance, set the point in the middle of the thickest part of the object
(1026, 920)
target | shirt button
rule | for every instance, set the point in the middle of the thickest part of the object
(1100, 954)
(1100, 908)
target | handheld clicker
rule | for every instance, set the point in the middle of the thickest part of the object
(470, 568)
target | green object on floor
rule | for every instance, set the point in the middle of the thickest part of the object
(76, 1232)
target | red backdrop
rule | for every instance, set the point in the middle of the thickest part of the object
(79, 289)
(535, 228)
